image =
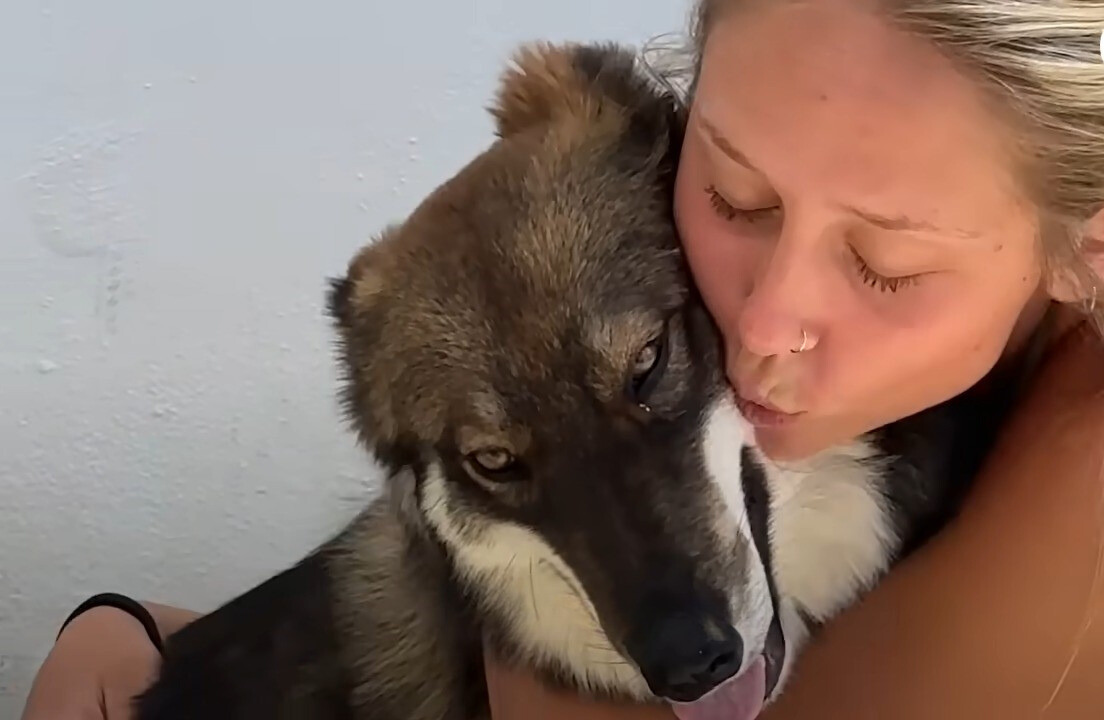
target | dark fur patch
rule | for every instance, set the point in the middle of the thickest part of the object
(270, 653)
(937, 453)
(339, 300)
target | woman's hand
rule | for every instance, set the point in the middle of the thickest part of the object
(516, 695)
(102, 660)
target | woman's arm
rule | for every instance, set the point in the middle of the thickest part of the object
(991, 619)
(516, 695)
(100, 661)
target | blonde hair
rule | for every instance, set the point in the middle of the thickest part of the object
(1039, 59)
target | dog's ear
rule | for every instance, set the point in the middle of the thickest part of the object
(357, 304)
(339, 299)
(362, 285)
(546, 80)
(549, 81)
(540, 82)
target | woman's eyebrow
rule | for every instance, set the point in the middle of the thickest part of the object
(890, 222)
(903, 223)
(725, 146)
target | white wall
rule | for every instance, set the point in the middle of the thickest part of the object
(176, 181)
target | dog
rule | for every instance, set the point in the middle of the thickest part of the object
(569, 482)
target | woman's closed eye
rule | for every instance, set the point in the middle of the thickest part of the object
(758, 216)
(730, 212)
(876, 280)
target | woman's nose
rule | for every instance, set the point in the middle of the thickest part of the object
(765, 333)
(774, 319)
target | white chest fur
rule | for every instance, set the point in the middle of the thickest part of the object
(830, 529)
(831, 532)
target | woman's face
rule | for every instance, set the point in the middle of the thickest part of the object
(842, 183)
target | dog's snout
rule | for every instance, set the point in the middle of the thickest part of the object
(684, 656)
(694, 672)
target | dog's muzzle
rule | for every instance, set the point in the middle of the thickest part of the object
(686, 654)
(684, 657)
(743, 693)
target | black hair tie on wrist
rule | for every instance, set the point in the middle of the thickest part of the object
(120, 602)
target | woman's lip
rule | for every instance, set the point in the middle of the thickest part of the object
(761, 415)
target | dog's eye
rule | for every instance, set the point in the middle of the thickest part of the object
(648, 367)
(646, 359)
(492, 461)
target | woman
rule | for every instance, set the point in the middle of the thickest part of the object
(880, 201)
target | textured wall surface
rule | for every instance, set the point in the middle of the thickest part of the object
(176, 181)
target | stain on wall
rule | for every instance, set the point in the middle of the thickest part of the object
(82, 205)
(177, 180)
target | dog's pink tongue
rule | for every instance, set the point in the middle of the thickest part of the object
(740, 698)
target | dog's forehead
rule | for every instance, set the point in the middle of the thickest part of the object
(552, 231)
(538, 270)
(593, 218)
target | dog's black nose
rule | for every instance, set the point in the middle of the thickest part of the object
(685, 656)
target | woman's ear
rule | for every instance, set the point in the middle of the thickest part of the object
(1094, 243)
(1092, 250)
(1068, 287)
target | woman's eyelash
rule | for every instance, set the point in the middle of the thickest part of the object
(727, 211)
(877, 281)
(720, 205)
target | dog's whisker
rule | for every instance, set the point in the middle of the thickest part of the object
(603, 649)
(571, 589)
(533, 589)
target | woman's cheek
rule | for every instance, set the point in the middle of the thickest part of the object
(875, 341)
(723, 265)
(911, 308)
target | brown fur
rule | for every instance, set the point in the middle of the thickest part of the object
(521, 287)
(545, 84)
(556, 124)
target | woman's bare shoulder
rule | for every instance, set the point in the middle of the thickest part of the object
(993, 618)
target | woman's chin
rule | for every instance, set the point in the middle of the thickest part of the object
(791, 442)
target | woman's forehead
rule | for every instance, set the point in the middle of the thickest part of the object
(853, 109)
